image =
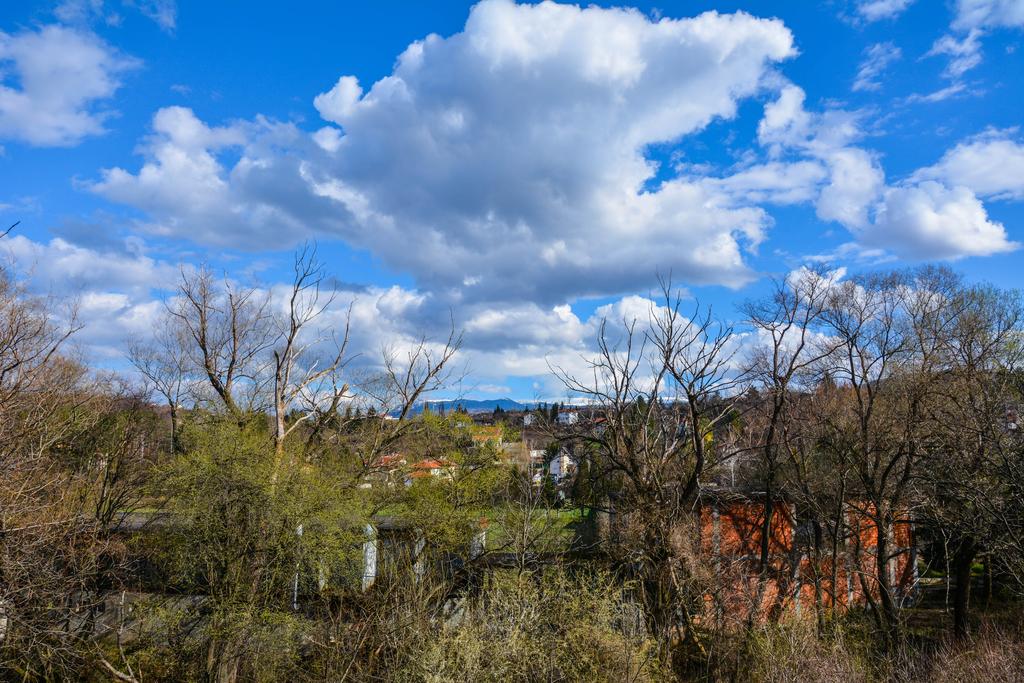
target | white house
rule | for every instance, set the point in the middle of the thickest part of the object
(568, 417)
(561, 466)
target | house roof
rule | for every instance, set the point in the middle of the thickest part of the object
(431, 464)
(390, 460)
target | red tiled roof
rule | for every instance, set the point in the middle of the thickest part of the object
(390, 460)
(431, 464)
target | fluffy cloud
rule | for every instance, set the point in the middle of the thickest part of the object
(262, 202)
(112, 291)
(856, 179)
(51, 81)
(877, 59)
(510, 156)
(848, 179)
(931, 221)
(787, 126)
(773, 182)
(68, 269)
(785, 121)
(110, 319)
(524, 323)
(340, 101)
(551, 339)
(991, 165)
(935, 214)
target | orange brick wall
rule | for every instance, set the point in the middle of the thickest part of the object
(731, 535)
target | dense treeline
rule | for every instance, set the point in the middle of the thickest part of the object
(211, 518)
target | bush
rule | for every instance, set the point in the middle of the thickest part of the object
(538, 627)
(795, 652)
(995, 654)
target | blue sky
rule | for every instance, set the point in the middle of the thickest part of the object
(528, 168)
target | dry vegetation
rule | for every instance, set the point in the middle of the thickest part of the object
(210, 523)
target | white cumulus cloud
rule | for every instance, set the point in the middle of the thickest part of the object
(931, 221)
(186, 190)
(66, 268)
(849, 178)
(991, 165)
(53, 81)
(856, 179)
(510, 156)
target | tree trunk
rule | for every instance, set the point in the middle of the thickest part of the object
(279, 423)
(819, 606)
(766, 528)
(176, 445)
(988, 585)
(889, 614)
(221, 661)
(962, 561)
(764, 561)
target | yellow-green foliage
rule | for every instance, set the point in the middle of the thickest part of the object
(549, 627)
(510, 434)
(232, 540)
(795, 652)
(448, 509)
(226, 506)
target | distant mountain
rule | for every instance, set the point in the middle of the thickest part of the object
(473, 405)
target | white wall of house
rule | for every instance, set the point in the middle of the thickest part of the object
(560, 466)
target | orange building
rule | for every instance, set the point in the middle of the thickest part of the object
(837, 572)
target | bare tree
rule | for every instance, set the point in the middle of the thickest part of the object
(29, 342)
(305, 376)
(229, 331)
(787, 348)
(970, 441)
(405, 379)
(698, 354)
(655, 392)
(163, 362)
(887, 329)
(53, 551)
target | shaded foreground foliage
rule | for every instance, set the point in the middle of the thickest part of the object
(219, 533)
